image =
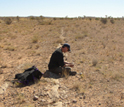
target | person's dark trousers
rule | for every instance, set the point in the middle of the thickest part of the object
(60, 70)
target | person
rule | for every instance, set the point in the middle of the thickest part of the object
(57, 64)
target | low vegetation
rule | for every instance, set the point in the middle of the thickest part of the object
(96, 51)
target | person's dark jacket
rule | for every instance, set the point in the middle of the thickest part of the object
(56, 59)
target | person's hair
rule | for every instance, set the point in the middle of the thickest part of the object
(66, 45)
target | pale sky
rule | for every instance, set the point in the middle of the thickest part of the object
(62, 8)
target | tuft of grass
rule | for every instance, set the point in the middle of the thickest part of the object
(65, 73)
(10, 48)
(59, 41)
(35, 39)
(78, 87)
(81, 36)
(20, 98)
(116, 76)
(17, 18)
(44, 22)
(94, 62)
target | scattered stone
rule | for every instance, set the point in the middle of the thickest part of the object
(4, 66)
(80, 73)
(58, 104)
(122, 95)
(74, 101)
(42, 100)
(35, 98)
(81, 97)
(107, 80)
(54, 92)
(84, 97)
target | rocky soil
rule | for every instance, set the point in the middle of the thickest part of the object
(97, 51)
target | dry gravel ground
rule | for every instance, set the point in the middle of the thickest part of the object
(97, 50)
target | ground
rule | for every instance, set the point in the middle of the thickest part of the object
(97, 51)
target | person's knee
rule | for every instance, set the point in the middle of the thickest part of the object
(68, 69)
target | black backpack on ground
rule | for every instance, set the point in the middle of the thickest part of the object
(30, 75)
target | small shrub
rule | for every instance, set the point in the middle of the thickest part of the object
(104, 20)
(94, 62)
(8, 20)
(42, 22)
(78, 87)
(90, 19)
(96, 18)
(54, 18)
(32, 17)
(81, 36)
(18, 18)
(10, 48)
(35, 39)
(59, 41)
(112, 21)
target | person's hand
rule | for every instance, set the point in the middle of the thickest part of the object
(71, 65)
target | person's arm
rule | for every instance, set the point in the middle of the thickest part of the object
(68, 64)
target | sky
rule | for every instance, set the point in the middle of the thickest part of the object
(62, 8)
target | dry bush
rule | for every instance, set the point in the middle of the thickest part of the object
(20, 98)
(94, 62)
(32, 17)
(45, 22)
(103, 20)
(81, 36)
(35, 39)
(17, 18)
(10, 48)
(78, 87)
(59, 41)
(115, 75)
(112, 21)
(8, 20)
(96, 18)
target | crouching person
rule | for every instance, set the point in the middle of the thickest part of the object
(57, 64)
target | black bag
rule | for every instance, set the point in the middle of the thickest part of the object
(30, 75)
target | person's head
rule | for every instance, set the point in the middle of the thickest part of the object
(66, 47)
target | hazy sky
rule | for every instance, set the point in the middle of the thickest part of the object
(62, 8)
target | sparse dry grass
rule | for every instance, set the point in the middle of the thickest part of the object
(10, 48)
(78, 87)
(35, 39)
(97, 51)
